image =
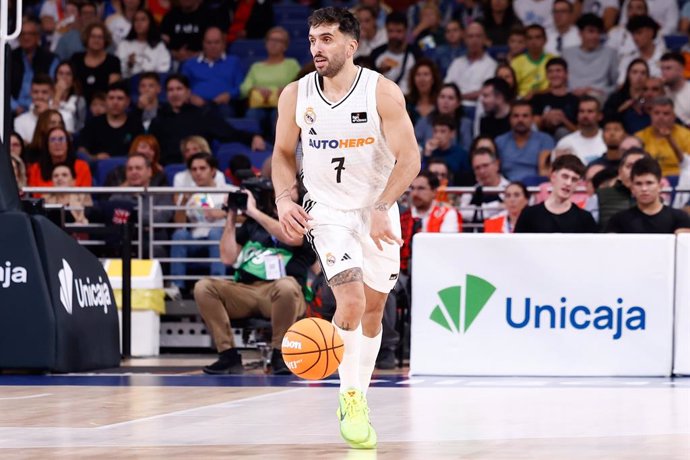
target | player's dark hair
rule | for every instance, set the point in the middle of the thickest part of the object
(347, 22)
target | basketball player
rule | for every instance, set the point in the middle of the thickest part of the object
(360, 155)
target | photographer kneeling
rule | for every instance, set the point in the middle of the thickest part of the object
(270, 271)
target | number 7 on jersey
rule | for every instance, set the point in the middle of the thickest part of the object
(339, 168)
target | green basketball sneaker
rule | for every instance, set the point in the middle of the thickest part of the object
(353, 414)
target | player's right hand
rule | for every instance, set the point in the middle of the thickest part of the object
(293, 219)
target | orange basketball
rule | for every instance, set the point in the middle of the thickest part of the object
(312, 349)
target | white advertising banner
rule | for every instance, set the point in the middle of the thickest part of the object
(681, 348)
(567, 305)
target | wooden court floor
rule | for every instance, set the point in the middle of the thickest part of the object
(196, 416)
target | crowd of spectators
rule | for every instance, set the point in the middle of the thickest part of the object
(502, 94)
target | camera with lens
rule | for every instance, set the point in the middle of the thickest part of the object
(261, 188)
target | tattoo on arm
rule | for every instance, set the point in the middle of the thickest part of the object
(348, 276)
(345, 326)
(382, 206)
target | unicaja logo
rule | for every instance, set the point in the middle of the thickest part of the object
(455, 315)
(66, 276)
(89, 294)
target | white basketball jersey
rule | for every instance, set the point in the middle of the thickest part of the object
(346, 162)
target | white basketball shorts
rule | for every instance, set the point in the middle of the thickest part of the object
(341, 241)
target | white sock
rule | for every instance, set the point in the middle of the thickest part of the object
(349, 366)
(367, 358)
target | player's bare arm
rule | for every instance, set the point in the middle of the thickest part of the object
(399, 134)
(292, 217)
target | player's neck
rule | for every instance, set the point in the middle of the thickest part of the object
(337, 86)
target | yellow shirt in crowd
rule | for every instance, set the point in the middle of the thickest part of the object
(531, 75)
(661, 150)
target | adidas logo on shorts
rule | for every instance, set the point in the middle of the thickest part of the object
(346, 257)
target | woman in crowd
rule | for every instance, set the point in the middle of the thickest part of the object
(46, 121)
(119, 22)
(515, 199)
(19, 172)
(64, 176)
(68, 96)
(627, 103)
(95, 68)
(147, 145)
(58, 150)
(425, 84)
(16, 145)
(143, 50)
(448, 102)
(499, 19)
(506, 72)
(266, 79)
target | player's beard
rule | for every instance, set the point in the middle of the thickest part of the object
(334, 65)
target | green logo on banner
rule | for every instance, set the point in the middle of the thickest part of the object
(448, 315)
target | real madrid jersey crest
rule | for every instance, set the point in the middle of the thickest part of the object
(346, 162)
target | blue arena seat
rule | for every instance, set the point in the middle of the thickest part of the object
(243, 48)
(103, 168)
(245, 124)
(675, 42)
(298, 29)
(498, 52)
(172, 169)
(225, 152)
(672, 180)
(290, 11)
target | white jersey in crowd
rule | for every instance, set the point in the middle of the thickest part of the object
(346, 162)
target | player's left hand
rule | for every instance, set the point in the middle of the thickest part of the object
(381, 229)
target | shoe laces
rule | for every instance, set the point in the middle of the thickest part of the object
(355, 405)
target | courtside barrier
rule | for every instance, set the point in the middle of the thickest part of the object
(681, 346)
(568, 305)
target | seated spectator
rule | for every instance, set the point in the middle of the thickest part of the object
(214, 76)
(644, 31)
(425, 215)
(95, 68)
(111, 134)
(493, 115)
(534, 12)
(58, 150)
(439, 168)
(665, 140)
(649, 215)
(505, 72)
(480, 205)
(425, 84)
(558, 214)
(179, 119)
(19, 169)
(371, 36)
(64, 176)
(607, 10)
(469, 72)
(70, 42)
(427, 33)
(452, 49)
(628, 101)
(448, 102)
(42, 90)
(441, 146)
(530, 67)
(147, 145)
(520, 149)
(555, 110)
(202, 208)
(142, 50)
(266, 80)
(593, 67)
(498, 19)
(138, 173)
(677, 88)
(395, 59)
(16, 145)
(517, 45)
(613, 135)
(662, 12)
(272, 294)
(97, 104)
(563, 33)
(68, 97)
(587, 143)
(515, 200)
(607, 201)
(47, 120)
(147, 104)
(190, 146)
(183, 27)
(619, 37)
(120, 21)
(29, 60)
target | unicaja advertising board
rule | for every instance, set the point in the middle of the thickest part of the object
(570, 305)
